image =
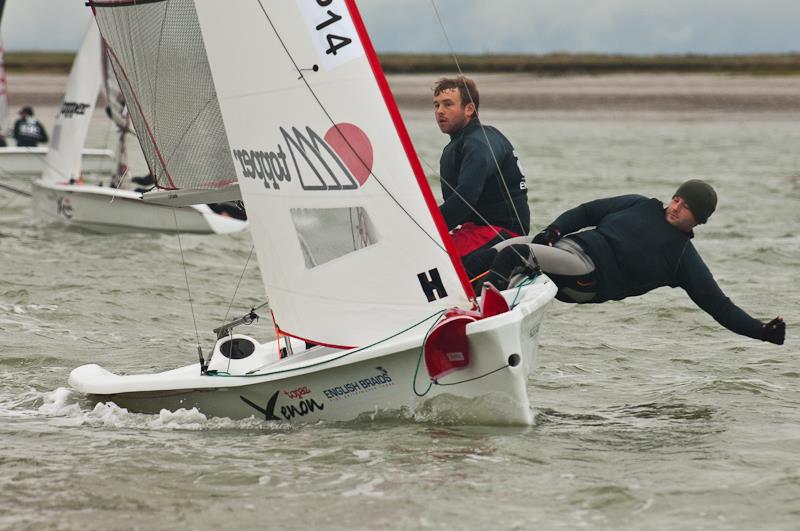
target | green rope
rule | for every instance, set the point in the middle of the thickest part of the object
(474, 378)
(527, 282)
(419, 362)
(253, 374)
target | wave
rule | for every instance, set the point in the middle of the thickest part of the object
(65, 408)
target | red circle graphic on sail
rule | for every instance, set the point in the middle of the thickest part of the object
(354, 149)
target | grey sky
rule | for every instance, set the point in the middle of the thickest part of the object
(534, 26)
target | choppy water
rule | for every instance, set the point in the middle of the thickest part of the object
(649, 414)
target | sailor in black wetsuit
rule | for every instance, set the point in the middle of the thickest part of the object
(636, 246)
(484, 189)
(28, 131)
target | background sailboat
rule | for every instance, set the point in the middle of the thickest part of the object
(60, 194)
(30, 161)
(353, 251)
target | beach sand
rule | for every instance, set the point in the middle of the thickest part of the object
(618, 94)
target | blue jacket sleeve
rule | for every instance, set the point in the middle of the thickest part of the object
(590, 214)
(477, 165)
(694, 276)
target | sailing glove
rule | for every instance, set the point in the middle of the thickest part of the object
(774, 331)
(548, 236)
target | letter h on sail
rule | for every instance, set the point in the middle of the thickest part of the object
(431, 284)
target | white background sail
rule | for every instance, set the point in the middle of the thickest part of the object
(342, 219)
(72, 121)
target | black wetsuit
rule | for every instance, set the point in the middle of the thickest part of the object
(635, 250)
(29, 131)
(468, 166)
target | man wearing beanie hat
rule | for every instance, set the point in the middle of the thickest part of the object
(635, 246)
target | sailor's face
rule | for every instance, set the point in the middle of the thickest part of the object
(449, 112)
(679, 215)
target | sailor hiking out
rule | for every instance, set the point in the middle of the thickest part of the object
(635, 246)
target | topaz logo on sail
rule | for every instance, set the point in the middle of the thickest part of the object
(341, 159)
(70, 108)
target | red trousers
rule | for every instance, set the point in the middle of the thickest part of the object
(470, 237)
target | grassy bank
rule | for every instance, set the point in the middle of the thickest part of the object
(25, 62)
(549, 64)
(590, 64)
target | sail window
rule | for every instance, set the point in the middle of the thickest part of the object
(329, 233)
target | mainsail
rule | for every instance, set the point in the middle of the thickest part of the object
(349, 238)
(156, 50)
(117, 111)
(351, 244)
(63, 160)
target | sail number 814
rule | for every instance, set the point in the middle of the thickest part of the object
(329, 27)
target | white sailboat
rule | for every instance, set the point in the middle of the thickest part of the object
(372, 308)
(28, 162)
(61, 196)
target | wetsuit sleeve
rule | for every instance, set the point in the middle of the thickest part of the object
(694, 276)
(477, 165)
(591, 213)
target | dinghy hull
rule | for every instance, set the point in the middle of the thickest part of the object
(107, 210)
(386, 380)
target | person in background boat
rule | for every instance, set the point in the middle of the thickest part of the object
(231, 209)
(636, 246)
(28, 130)
(144, 183)
(484, 188)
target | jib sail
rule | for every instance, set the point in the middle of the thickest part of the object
(351, 244)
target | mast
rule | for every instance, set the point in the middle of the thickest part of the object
(117, 111)
(413, 158)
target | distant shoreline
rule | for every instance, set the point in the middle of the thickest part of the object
(546, 65)
(629, 95)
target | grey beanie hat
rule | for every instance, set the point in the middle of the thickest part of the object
(700, 197)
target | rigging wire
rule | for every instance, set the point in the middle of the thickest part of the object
(14, 189)
(334, 124)
(474, 210)
(255, 372)
(500, 177)
(186, 277)
(235, 291)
